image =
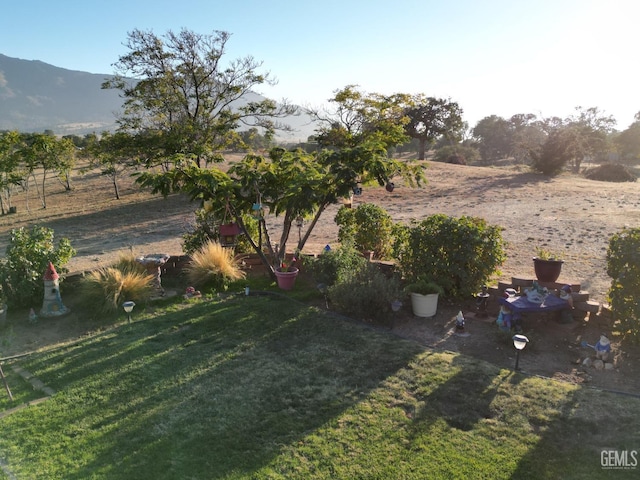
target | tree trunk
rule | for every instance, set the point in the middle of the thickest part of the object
(115, 187)
(423, 148)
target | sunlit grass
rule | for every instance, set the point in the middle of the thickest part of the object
(262, 387)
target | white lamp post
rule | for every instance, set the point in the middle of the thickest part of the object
(519, 341)
(128, 307)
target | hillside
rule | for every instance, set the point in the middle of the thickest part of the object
(36, 96)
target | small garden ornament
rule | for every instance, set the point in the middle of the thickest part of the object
(602, 347)
(52, 305)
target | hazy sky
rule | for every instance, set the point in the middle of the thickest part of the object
(498, 57)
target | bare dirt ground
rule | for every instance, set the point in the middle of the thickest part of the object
(568, 214)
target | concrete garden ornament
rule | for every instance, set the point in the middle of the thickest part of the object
(52, 305)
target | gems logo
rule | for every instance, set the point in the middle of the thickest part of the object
(619, 459)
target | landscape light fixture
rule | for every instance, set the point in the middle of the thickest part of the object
(128, 307)
(519, 341)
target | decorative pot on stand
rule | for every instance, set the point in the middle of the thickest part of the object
(547, 270)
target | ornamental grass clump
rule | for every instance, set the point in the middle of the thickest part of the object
(213, 266)
(109, 287)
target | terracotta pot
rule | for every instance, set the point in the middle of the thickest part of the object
(286, 280)
(547, 270)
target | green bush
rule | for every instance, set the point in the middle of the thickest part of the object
(623, 266)
(27, 256)
(369, 226)
(459, 254)
(335, 265)
(366, 293)
(553, 155)
(458, 154)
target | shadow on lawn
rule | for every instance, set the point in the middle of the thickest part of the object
(213, 390)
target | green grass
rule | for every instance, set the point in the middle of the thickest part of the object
(263, 387)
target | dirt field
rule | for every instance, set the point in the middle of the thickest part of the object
(568, 214)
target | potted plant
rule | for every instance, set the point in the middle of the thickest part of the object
(286, 274)
(547, 265)
(424, 294)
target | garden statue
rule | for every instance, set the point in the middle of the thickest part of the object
(460, 322)
(602, 347)
(52, 305)
(565, 294)
(505, 317)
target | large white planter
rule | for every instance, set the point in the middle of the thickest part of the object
(424, 305)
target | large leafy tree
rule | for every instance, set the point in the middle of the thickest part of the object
(288, 184)
(354, 118)
(571, 140)
(181, 100)
(430, 119)
(493, 134)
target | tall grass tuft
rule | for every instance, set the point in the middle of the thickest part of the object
(127, 263)
(213, 266)
(109, 287)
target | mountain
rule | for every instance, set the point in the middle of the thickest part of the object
(36, 96)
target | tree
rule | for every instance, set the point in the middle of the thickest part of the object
(287, 183)
(589, 130)
(113, 154)
(432, 118)
(10, 145)
(571, 140)
(493, 134)
(182, 102)
(356, 117)
(50, 154)
(628, 141)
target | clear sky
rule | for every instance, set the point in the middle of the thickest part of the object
(499, 57)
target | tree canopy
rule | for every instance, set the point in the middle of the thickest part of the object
(181, 100)
(432, 118)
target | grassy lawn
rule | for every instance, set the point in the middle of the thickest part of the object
(263, 387)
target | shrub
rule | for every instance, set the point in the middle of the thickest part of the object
(460, 254)
(126, 263)
(458, 154)
(335, 265)
(366, 293)
(107, 288)
(623, 266)
(213, 265)
(553, 155)
(611, 172)
(368, 226)
(27, 256)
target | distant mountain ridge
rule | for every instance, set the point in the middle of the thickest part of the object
(36, 96)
